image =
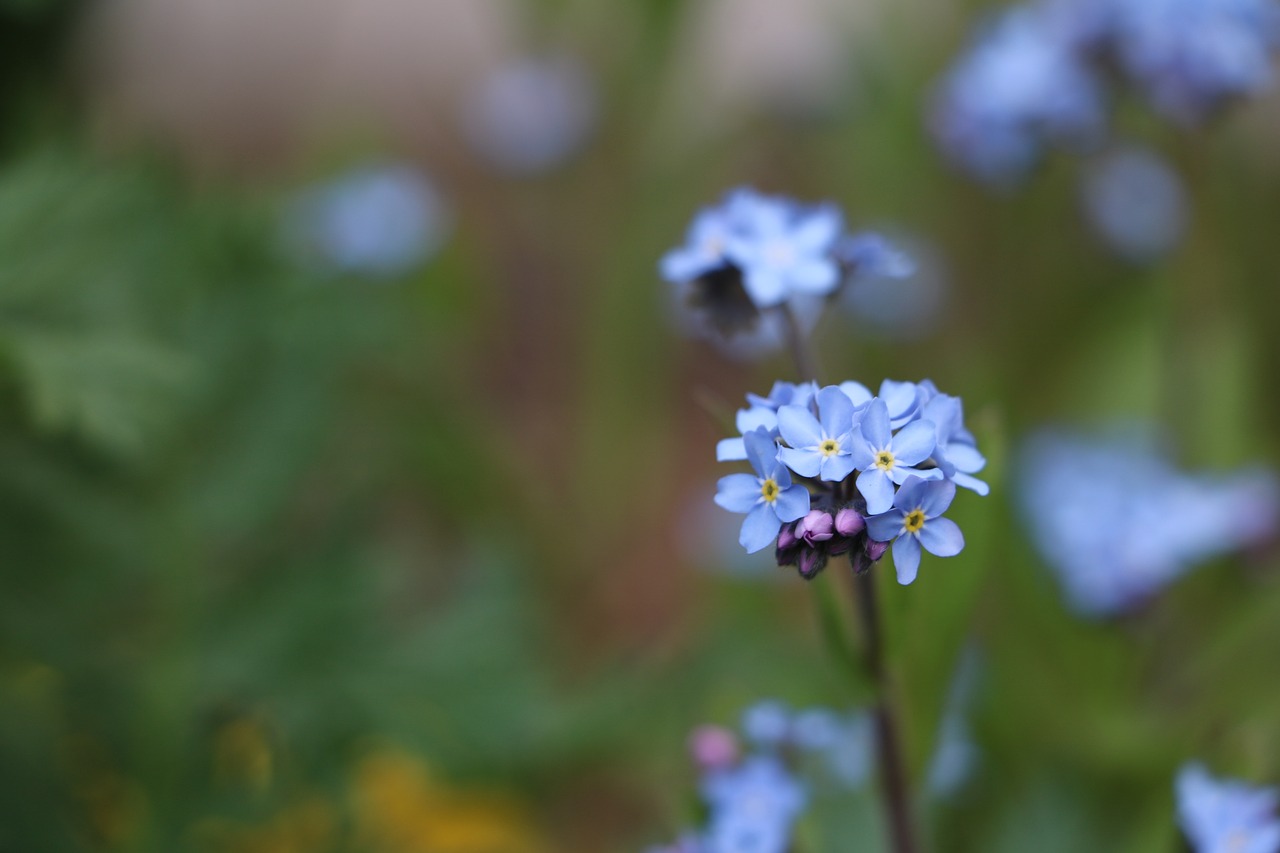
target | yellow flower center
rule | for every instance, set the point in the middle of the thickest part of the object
(884, 460)
(769, 490)
(914, 520)
(830, 447)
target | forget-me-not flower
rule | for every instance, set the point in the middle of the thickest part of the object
(763, 412)
(1136, 203)
(1023, 85)
(915, 521)
(820, 446)
(1117, 522)
(768, 498)
(886, 459)
(1225, 816)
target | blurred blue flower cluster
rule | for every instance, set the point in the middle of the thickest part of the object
(754, 800)
(1035, 77)
(756, 268)
(908, 446)
(1225, 816)
(1117, 521)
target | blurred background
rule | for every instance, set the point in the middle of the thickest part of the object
(356, 466)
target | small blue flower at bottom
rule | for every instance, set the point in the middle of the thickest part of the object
(768, 497)
(914, 521)
(1220, 816)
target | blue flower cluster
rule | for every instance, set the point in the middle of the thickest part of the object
(1225, 815)
(753, 255)
(754, 801)
(1036, 76)
(838, 470)
(1117, 521)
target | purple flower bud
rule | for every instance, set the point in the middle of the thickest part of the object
(788, 545)
(849, 522)
(812, 561)
(875, 550)
(815, 527)
(713, 747)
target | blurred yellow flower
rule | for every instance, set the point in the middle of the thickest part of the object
(400, 808)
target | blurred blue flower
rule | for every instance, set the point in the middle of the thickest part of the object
(785, 249)
(871, 254)
(915, 521)
(1225, 816)
(379, 220)
(1190, 56)
(753, 807)
(1117, 522)
(898, 290)
(531, 115)
(1022, 86)
(768, 498)
(767, 723)
(1136, 203)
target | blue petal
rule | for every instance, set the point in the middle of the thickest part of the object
(765, 286)
(835, 411)
(900, 474)
(819, 229)
(738, 492)
(911, 495)
(798, 427)
(836, 468)
(877, 489)
(760, 529)
(885, 527)
(683, 265)
(806, 463)
(942, 537)
(901, 398)
(792, 503)
(966, 481)
(755, 418)
(906, 558)
(730, 450)
(861, 452)
(875, 424)
(914, 442)
(857, 393)
(762, 451)
(816, 276)
(936, 496)
(965, 457)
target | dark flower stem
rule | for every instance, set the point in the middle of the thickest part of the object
(802, 354)
(893, 778)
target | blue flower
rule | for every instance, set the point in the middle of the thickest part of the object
(870, 254)
(768, 498)
(1189, 56)
(764, 413)
(707, 239)
(1136, 204)
(1117, 522)
(1226, 816)
(1022, 85)
(956, 452)
(767, 722)
(753, 807)
(915, 521)
(822, 446)
(531, 115)
(884, 458)
(379, 220)
(784, 249)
